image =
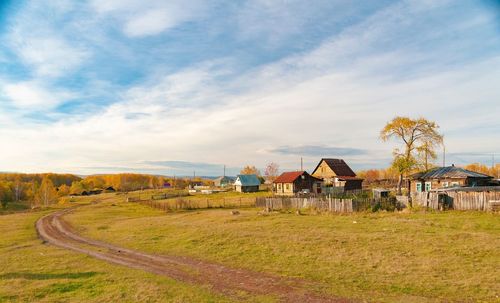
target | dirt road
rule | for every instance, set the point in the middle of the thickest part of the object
(229, 281)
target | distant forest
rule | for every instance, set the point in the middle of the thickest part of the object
(46, 189)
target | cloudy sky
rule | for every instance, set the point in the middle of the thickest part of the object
(169, 87)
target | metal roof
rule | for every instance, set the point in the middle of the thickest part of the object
(248, 180)
(449, 172)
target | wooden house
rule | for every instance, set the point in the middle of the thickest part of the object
(336, 174)
(247, 183)
(291, 183)
(447, 177)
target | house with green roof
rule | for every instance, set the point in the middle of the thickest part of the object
(247, 183)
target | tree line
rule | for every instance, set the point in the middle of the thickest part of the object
(38, 189)
(45, 189)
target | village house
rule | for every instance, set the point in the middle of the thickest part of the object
(337, 175)
(291, 183)
(224, 181)
(247, 183)
(446, 177)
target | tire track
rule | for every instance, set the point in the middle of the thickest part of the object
(229, 281)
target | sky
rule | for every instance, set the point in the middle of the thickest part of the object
(173, 87)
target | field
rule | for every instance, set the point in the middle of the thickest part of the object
(382, 257)
(31, 271)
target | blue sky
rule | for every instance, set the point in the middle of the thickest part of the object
(175, 86)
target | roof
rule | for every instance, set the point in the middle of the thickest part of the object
(248, 180)
(290, 177)
(224, 178)
(339, 167)
(448, 172)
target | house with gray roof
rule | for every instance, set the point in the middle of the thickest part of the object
(447, 177)
(247, 183)
(224, 181)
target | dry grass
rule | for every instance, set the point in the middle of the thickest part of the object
(31, 271)
(385, 257)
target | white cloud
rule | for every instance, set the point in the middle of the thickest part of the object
(33, 96)
(339, 94)
(44, 48)
(149, 18)
(48, 55)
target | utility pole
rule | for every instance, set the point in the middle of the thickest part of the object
(301, 164)
(444, 155)
(224, 170)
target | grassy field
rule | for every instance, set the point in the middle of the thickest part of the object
(198, 200)
(14, 207)
(385, 257)
(31, 271)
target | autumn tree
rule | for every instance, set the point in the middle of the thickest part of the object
(18, 188)
(250, 170)
(414, 134)
(6, 194)
(47, 192)
(271, 172)
(76, 188)
(63, 190)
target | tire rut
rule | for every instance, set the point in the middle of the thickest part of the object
(228, 281)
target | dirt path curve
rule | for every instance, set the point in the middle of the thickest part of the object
(229, 281)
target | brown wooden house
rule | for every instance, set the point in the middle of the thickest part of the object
(335, 173)
(447, 177)
(291, 183)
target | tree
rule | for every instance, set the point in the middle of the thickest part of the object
(414, 133)
(47, 192)
(77, 188)
(6, 194)
(63, 190)
(18, 188)
(250, 170)
(271, 172)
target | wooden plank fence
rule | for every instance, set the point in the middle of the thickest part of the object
(182, 203)
(457, 199)
(329, 204)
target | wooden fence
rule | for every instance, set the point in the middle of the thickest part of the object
(327, 204)
(198, 203)
(322, 203)
(459, 199)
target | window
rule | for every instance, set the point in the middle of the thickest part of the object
(428, 186)
(454, 184)
(419, 187)
(445, 184)
(287, 186)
